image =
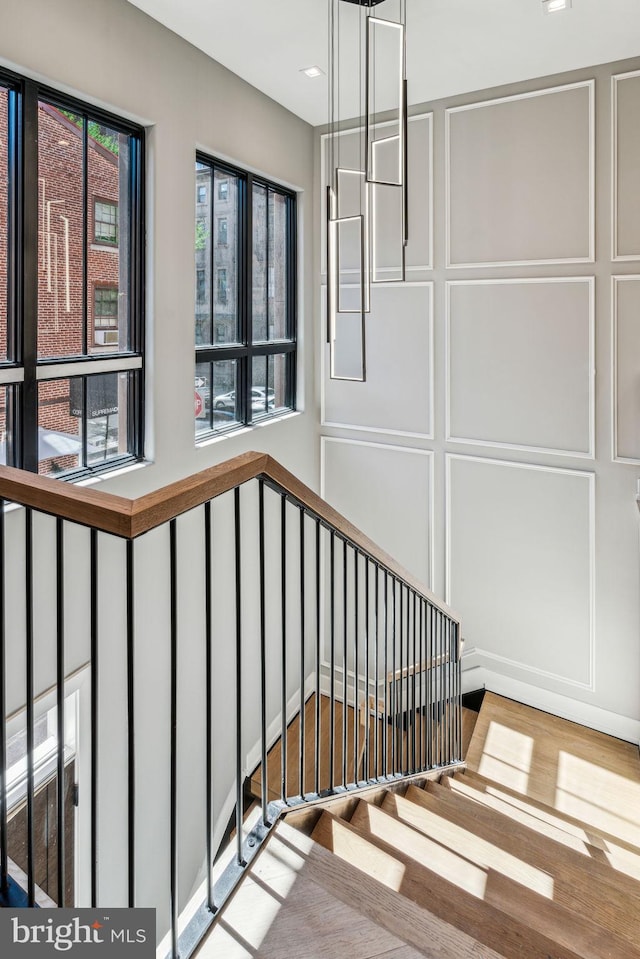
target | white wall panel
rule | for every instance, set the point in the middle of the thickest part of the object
(520, 178)
(386, 491)
(520, 363)
(520, 561)
(397, 396)
(626, 356)
(626, 166)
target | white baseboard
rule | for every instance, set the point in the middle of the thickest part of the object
(622, 727)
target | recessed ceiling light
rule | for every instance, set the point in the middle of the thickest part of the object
(313, 72)
(555, 6)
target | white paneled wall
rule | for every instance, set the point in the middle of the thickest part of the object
(509, 362)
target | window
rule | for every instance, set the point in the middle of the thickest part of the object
(222, 286)
(202, 194)
(201, 285)
(246, 339)
(105, 222)
(105, 307)
(78, 297)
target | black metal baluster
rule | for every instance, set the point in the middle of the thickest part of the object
(283, 648)
(367, 744)
(302, 655)
(238, 570)
(345, 672)
(394, 691)
(94, 716)
(439, 688)
(317, 739)
(423, 678)
(459, 755)
(30, 707)
(173, 848)
(208, 608)
(414, 713)
(131, 760)
(60, 824)
(4, 866)
(401, 713)
(356, 663)
(264, 779)
(430, 674)
(385, 673)
(332, 663)
(376, 737)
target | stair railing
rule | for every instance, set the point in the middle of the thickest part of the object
(235, 635)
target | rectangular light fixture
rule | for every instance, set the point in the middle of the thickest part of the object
(313, 72)
(555, 6)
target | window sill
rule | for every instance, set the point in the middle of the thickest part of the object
(241, 430)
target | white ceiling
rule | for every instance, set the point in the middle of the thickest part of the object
(453, 46)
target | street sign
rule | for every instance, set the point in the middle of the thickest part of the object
(199, 404)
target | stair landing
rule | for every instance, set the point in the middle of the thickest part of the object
(577, 771)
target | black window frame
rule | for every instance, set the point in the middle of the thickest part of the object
(24, 95)
(244, 351)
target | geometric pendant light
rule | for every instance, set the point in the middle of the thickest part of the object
(365, 200)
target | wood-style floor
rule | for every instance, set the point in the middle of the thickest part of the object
(533, 852)
(401, 750)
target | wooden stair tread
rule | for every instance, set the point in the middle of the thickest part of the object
(539, 911)
(278, 904)
(419, 927)
(617, 858)
(586, 774)
(589, 887)
(481, 918)
(587, 831)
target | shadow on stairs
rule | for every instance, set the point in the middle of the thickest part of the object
(533, 852)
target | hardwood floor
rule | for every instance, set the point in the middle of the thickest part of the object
(494, 861)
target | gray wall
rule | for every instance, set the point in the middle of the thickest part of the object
(494, 447)
(109, 53)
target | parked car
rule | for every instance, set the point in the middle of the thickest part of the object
(262, 400)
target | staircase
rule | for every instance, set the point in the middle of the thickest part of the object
(532, 851)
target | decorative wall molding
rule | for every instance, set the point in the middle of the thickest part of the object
(325, 382)
(484, 655)
(490, 443)
(615, 80)
(615, 281)
(590, 258)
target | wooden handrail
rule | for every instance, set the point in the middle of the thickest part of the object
(129, 518)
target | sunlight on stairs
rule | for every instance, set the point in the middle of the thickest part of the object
(532, 852)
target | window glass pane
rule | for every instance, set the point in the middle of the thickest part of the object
(202, 397)
(108, 236)
(4, 224)
(102, 401)
(6, 446)
(60, 232)
(225, 395)
(108, 399)
(260, 264)
(203, 254)
(59, 427)
(225, 260)
(277, 276)
(277, 381)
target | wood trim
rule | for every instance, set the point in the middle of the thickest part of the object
(130, 518)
